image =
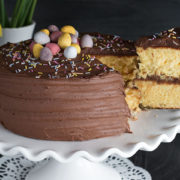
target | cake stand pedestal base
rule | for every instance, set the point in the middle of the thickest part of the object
(80, 169)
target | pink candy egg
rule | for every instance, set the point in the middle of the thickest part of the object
(31, 46)
(53, 28)
(46, 54)
(55, 36)
(86, 41)
(53, 47)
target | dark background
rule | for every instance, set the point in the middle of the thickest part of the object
(129, 19)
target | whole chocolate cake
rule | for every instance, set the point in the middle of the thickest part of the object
(57, 90)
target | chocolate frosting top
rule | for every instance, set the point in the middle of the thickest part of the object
(18, 58)
(169, 38)
(105, 44)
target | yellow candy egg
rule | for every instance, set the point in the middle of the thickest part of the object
(77, 47)
(68, 29)
(64, 40)
(46, 31)
(1, 31)
(37, 49)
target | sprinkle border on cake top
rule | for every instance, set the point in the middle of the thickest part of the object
(21, 61)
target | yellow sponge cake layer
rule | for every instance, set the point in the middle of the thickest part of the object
(133, 99)
(156, 94)
(126, 65)
(159, 61)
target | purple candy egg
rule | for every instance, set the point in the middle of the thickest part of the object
(46, 54)
(53, 28)
(31, 46)
(77, 34)
(55, 36)
(86, 41)
(74, 39)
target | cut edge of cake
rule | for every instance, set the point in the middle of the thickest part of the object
(158, 74)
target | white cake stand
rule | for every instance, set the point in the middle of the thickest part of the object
(80, 160)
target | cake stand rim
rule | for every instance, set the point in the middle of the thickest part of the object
(10, 150)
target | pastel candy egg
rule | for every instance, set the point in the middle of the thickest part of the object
(74, 39)
(41, 38)
(46, 31)
(77, 47)
(31, 46)
(64, 40)
(68, 29)
(70, 52)
(53, 28)
(1, 33)
(53, 47)
(55, 36)
(86, 41)
(77, 34)
(46, 54)
(37, 49)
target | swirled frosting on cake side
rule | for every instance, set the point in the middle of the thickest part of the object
(63, 109)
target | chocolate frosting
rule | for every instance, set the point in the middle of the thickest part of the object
(105, 44)
(169, 38)
(61, 109)
(160, 80)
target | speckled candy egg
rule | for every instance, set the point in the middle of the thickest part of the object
(55, 36)
(77, 34)
(77, 48)
(37, 49)
(46, 54)
(86, 41)
(53, 47)
(31, 46)
(74, 39)
(53, 28)
(46, 31)
(41, 38)
(70, 52)
(64, 40)
(68, 29)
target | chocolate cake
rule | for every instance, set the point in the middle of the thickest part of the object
(60, 98)
(158, 76)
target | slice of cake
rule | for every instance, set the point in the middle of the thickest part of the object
(159, 69)
(53, 91)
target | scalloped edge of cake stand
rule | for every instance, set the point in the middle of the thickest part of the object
(37, 154)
